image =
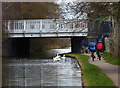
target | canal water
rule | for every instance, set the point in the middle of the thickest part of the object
(37, 72)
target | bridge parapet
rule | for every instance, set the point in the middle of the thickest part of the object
(46, 28)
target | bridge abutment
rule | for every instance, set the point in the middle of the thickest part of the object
(75, 44)
(21, 47)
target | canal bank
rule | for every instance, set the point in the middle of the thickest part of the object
(92, 75)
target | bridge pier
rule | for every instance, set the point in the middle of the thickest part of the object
(21, 47)
(75, 44)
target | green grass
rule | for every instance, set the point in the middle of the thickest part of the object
(92, 75)
(109, 59)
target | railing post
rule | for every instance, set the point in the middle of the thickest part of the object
(24, 27)
(40, 25)
(14, 26)
(8, 26)
(57, 28)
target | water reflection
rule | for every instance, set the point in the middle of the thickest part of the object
(41, 72)
(51, 53)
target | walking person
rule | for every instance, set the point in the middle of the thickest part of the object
(99, 49)
(86, 50)
(92, 48)
(83, 46)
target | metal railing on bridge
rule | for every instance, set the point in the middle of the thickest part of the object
(46, 28)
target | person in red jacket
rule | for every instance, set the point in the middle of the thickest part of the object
(99, 49)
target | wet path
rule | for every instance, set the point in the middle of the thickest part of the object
(41, 72)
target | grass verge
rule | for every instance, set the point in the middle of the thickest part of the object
(109, 59)
(92, 75)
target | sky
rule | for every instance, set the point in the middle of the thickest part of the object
(67, 1)
(63, 4)
(70, 14)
